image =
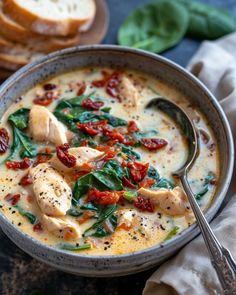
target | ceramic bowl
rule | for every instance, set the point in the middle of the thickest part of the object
(157, 66)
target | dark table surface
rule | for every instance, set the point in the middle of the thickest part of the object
(23, 275)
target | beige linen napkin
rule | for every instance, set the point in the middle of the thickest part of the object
(191, 272)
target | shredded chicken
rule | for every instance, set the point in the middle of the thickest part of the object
(172, 202)
(61, 228)
(52, 192)
(44, 126)
(128, 93)
(83, 155)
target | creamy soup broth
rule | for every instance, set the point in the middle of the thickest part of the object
(133, 225)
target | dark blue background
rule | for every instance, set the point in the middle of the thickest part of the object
(20, 274)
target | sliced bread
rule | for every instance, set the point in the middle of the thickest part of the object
(15, 61)
(50, 17)
(4, 74)
(12, 30)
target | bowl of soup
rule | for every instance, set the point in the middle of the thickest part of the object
(86, 169)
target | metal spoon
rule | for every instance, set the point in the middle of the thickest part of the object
(221, 258)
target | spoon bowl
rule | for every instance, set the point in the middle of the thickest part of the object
(221, 258)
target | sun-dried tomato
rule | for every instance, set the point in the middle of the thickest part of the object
(12, 199)
(49, 86)
(147, 182)
(84, 142)
(4, 140)
(153, 143)
(132, 127)
(110, 82)
(92, 105)
(63, 155)
(24, 164)
(81, 89)
(92, 128)
(26, 180)
(103, 198)
(38, 227)
(43, 156)
(144, 204)
(46, 99)
(137, 170)
(86, 216)
(128, 183)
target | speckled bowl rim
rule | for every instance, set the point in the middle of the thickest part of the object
(193, 230)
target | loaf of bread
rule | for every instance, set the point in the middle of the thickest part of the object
(50, 17)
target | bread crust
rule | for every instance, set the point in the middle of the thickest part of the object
(14, 62)
(42, 25)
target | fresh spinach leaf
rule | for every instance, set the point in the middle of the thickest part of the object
(106, 216)
(71, 247)
(106, 109)
(208, 22)
(172, 233)
(155, 27)
(20, 118)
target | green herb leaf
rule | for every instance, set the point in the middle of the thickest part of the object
(104, 179)
(73, 212)
(107, 216)
(20, 118)
(90, 207)
(116, 166)
(206, 184)
(93, 117)
(31, 217)
(130, 195)
(172, 233)
(71, 247)
(152, 173)
(164, 183)
(155, 27)
(129, 152)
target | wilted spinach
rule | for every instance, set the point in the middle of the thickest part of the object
(104, 179)
(116, 166)
(129, 152)
(73, 212)
(22, 144)
(172, 233)
(155, 27)
(207, 182)
(71, 247)
(105, 224)
(31, 217)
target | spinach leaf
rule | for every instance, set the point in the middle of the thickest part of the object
(172, 233)
(155, 27)
(99, 229)
(206, 185)
(129, 152)
(164, 183)
(21, 144)
(31, 217)
(116, 166)
(73, 212)
(71, 247)
(152, 173)
(90, 207)
(93, 117)
(146, 134)
(104, 179)
(20, 118)
(208, 22)
(106, 109)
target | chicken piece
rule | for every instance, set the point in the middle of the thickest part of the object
(61, 228)
(172, 202)
(128, 218)
(128, 93)
(83, 155)
(51, 191)
(44, 126)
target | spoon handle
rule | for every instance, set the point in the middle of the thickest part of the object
(221, 258)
